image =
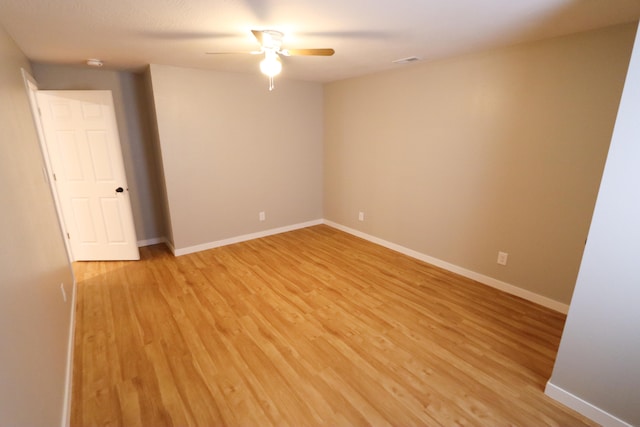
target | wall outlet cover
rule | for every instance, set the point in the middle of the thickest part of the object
(502, 258)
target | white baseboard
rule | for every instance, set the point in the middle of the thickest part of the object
(170, 246)
(489, 281)
(583, 407)
(149, 242)
(243, 238)
(68, 384)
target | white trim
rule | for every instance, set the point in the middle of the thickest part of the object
(66, 408)
(31, 86)
(243, 238)
(170, 246)
(583, 407)
(154, 241)
(486, 280)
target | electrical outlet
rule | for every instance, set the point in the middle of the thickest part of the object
(502, 258)
(64, 293)
(262, 216)
(360, 216)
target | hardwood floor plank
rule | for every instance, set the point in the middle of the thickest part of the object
(310, 327)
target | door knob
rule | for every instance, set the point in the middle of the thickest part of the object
(119, 190)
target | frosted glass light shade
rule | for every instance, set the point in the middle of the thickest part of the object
(271, 65)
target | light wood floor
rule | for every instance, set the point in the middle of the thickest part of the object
(311, 327)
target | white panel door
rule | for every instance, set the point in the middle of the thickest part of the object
(82, 141)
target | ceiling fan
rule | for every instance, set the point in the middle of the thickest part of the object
(271, 46)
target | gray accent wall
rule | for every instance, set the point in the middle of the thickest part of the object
(231, 149)
(599, 356)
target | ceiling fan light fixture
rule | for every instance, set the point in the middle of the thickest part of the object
(271, 45)
(271, 65)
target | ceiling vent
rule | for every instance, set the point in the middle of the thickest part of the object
(406, 60)
(93, 62)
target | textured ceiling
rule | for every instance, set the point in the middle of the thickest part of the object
(366, 34)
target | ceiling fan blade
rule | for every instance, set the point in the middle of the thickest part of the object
(187, 35)
(245, 52)
(258, 35)
(307, 52)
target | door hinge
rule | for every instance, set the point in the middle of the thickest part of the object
(55, 178)
(68, 237)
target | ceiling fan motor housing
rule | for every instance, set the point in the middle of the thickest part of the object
(272, 39)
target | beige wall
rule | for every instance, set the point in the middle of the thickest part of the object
(498, 151)
(34, 319)
(230, 149)
(128, 89)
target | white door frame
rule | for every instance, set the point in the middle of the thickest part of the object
(32, 88)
